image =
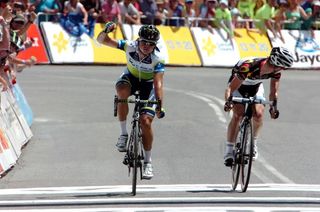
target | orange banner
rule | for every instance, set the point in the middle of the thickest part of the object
(38, 48)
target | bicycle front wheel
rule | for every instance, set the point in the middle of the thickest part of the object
(247, 154)
(136, 161)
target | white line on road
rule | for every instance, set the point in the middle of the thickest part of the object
(178, 209)
(162, 200)
(95, 190)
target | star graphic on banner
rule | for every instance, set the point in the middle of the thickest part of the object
(209, 46)
(60, 42)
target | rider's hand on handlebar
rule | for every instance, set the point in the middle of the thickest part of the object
(109, 27)
(161, 113)
(228, 105)
(160, 110)
(274, 113)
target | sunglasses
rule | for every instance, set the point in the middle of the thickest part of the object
(147, 43)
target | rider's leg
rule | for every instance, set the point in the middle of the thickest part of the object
(147, 139)
(232, 132)
(147, 135)
(123, 92)
(257, 120)
(233, 126)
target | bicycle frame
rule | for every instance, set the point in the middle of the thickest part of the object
(134, 154)
(244, 144)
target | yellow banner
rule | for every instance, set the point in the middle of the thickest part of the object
(106, 54)
(252, 44)
(180, 45)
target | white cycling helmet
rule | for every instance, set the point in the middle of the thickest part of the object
(281, 57)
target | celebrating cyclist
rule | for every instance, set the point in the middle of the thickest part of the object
(246, 81)
(144, 72)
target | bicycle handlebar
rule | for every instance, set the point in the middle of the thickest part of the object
(142, 101)
(135, 101)
(251, 100)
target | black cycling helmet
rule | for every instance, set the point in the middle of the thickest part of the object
(149, 33)
(281, 57)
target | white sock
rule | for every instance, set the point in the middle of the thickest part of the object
(229, 146)
(147, 157)
(123, 125)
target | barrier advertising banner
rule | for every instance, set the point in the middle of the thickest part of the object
(64, 47)
(105, 54)
(180, 46)
(252, 44)
(304, 45)
(38, 48)
(215, 48)
(7, 154)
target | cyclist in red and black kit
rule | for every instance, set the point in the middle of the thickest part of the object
(247, 81)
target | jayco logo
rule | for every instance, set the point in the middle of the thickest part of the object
(307, 58)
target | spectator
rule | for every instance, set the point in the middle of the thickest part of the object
(150, 12)
(208, 13)
(129, 14)
(49, 8)
(294, 14)
(237, 21)
(201, 5)
(93, 8)
(110, 11)
(162, 11)
(223, 18)
(313, 12)
(136, 4)
(246, 8)
(264, 17)
(75, 18)
(18, 44)
(176, 13)
(190, 13)
(306, 4)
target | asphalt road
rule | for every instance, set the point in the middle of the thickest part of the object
(72, 155)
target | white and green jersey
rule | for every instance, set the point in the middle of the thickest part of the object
(144, 69)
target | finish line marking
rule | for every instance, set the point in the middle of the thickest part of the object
(157, 188)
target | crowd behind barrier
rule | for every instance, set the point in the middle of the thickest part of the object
(182, 46)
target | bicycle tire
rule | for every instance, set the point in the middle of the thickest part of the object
(135, 136)
(236, 164)
(247, 154)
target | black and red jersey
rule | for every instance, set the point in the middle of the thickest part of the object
(249, 70)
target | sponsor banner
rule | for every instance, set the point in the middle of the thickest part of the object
(106, 54)
(252, 44)
(38, 48)
(64, 48)
(304, 46)
(130, 32)
(23, 103)
(7, 155)
(180, 46)
(215, 48)
(12, 127)
(21, 121)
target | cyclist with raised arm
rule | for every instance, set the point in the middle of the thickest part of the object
(247, 80)
(144, 72)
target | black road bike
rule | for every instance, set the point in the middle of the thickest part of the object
(243, 152)
(134, 155)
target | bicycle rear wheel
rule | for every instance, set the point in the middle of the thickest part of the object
(136, 160)
(247, 154)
